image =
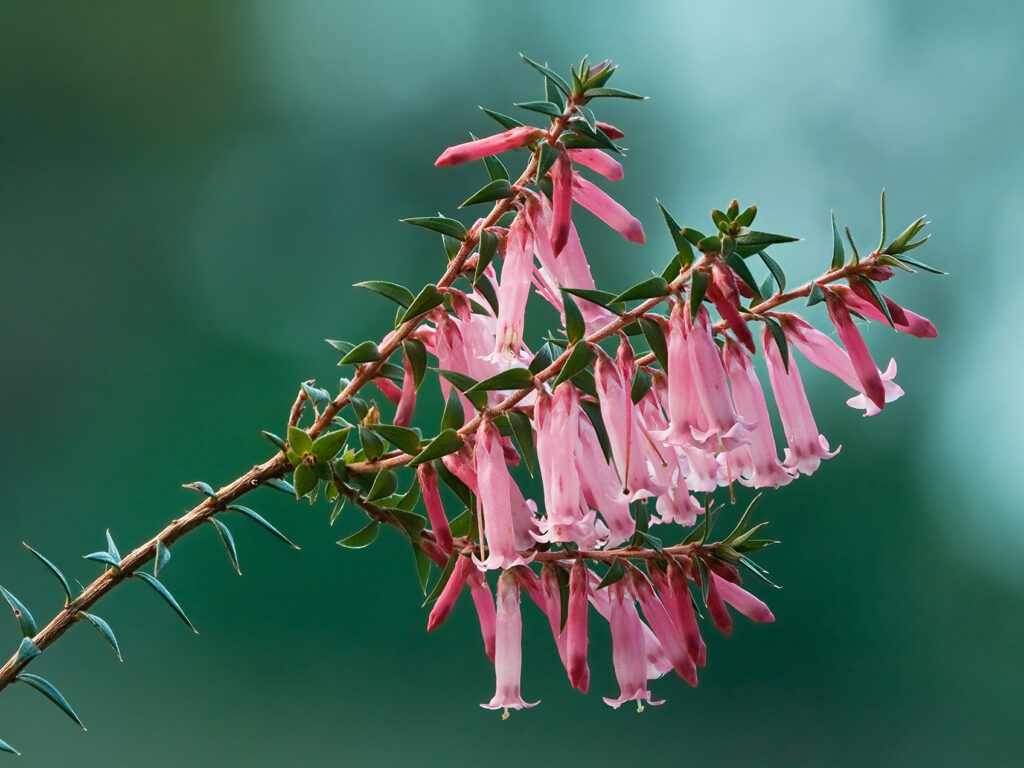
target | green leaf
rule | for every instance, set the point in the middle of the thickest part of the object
(523, 433)
(683, 246)
(55, 571)
(104, 557)
(336, 510)
(487, 248)
(463, 524)
(739, 266)
(305, 479)
(26, 623)
(641, 385)
(594, 296)
(200, 487)
(397, 293)
(575, 327)
(763, 239)
(319, 397)
(416, 352)
(615, 573)
(548, 156)
(276, 441)
(362, 538)
(366, 352)
(384, 484)
(498, 189)
(442, 580)
(744, 518)
(465, 383)
(576, 141)
(451, 246)
(373, 446)
(780, 340)
(758, 571)
(422, 561)
(557, 81)
(579, 358)
(921, 265)
(593, 411)
(327, 446)
(5, 747)
(775, 269)
(441, 224)
(411, 523)
(299, 441)
(410, 499)
(740, 542)
(48, 690)
(597, 136)
(256, 518)
(161, 557)
(838, 252)
(544, 357)
(167, 596)
(692, 236)
(229, 543)
(816, 295)
(648, 289)
(426, 300)
(849, 238)
(767, 287)
(655, 339)
(403, 438)
(698, 288)
(446, 442)
(711, 244)
(551, 93)
(506, 122)
(280, 485)
(454, 416)
(877, 296)
(513, 378)
(543, 107)
(104, 629)
(881, 240)
(612, 93)
(495, 168)
(342, 346)
(705, 578)
(26, 651)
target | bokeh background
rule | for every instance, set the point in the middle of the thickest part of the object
(187, 192)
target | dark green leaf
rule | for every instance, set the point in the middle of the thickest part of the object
(26, 623)
(613, 93)
(775, 269)
(506, 122)
(422, 561)
(641, 385)
(200, 487)
(692, 236)
(780, 340)
(366, 352)
(594, 296)
(446, 442)
(167, 596)
(548, 156)
(816, 296)
(256, 518)
(489, 192)
(552, 94)
(397, 293)
(596, 135)
(463, 524)
(459, 488)
(741, 540)
(752, 545)
(544, 357)
(575, 327)
(767, 287)
(274, 439)
(615, 573)
(362, 538)
(849, 238)
(485, 288)
(698, 288)
(495, 168)
(441, 224)
(48, 690)
(584, 381)
(26, 651)
(373, 446)
(411, 523)
(513, 378)
(55, 571)
(593, 411)
(712, 244)
(161, 556)
(877, 296)
(562, 577)
(416, 351)
(465, 383)
(881, 240)
(758, 571)
(523, 433)
(543, 107)
(229, 543)
(576, 141)
(280, 485)
(763, 239)
(741, 524)
(409, 500)
(683, 246)
(705, 578)
(403, 438)
(557, 81)
(104, 629)
(672, 269)
(454, 416)
(655, 339)
(487, 248)
(739, 266)
(451, 246)
(921, 265)
(426, 300)
(384, 484)
(336, 509)
(838, 252)
(651, 288)
(579, 358)
(327, 446)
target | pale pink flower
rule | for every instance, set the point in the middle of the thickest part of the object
(757, 464)
(514, 289)
(435, 510)
(484, 604)
(724, 425)
(599, 162)
(513, 138)
(595, 200)
(664, 628)
(576, 627)
(859, 299)
(741, 600)
(807, 447)
(508, 651)
(496, 499)
(601, 489)
(684, 411)
(629, 649)
(561, 202)
(446, 600)
(860, 357)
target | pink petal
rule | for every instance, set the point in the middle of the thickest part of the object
(599, 162)
(490, 145)
(664, 628)
(576, 627)
(435, 511)
(595, 200)
(561, 218)
(712, 386)
(484, 604)
(629, 650)
(514, 289)
(904, 320)
(496, 500)
(508, 651)
(407, 401)
(860, 357)
(742, 601)
(446, 601)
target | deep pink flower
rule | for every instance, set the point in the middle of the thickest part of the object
(484, 604)
(508, 651)
(724, 424)
(435, 511)
(446, 600)
(664, 628)
(496, 499)
(757, 464)
(860, 357)
(514, 138)
(514, 289)
(576, 627)
(741, 600)
(725, 295)
(859, 300)
(597, 201)
(561, 202)
(610, 131)
(388, 388)
(675, 596)
(599, 162)
(807, 447)
(629, 649)
(407, 401)
(716, 606)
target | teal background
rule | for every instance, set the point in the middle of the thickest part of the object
(187, 193)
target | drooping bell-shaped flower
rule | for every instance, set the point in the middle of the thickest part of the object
(576, 627)
(725, 427)
(600, 485)
(741, 600)
(561, 202)
(508, 651)
(629, 649)
(452, 588)
(435, 510)
(513, 138)
(860, 300)
(514, 289)
(860, 357)
(496, 499)
(675, 596)
(599, 162)
(716, 606)
(724, 293)
(597, 201)
(807, 446)
(664, 628)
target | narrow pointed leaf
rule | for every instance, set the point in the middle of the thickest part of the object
(513, 378)
(523, 433)
(422, 561)
(200, 487)
(763, 239)
(276, 441)
(47, 688)
(554, 78)
(280, 485)
(641, 385)
(167, 596)
(104, 629)
(698, 288)
(426, 300)
(55, 571)
(454, 416)
(464, 384)
(5, 747)
(485, 253)
(489, 192)
(495, 168)
(683, 246)
(705, 579)
(26, 623)
(739, 266)
(506, 122)
(366, 352)
(105, 558)
(362, 538)
(442, 224)
(575, 327)
(921, 265)
(335, 510)
(655, 339)
(741, 524)
(877, 296)
(442, 579)
(416, 351)
(648, 289)
(777, 272)
(446, 442)
(838, 252)
(780, 340)
(259, 520)
(612, 93)
(161, 557)
(614, 574)
(26, 651)
(580, 357)
(397, 293)
(229, 543)
(881, 239)
(594, 296)
(543, 107)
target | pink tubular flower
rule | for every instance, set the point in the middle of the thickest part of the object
(712, 386)
(576, 627)
(599, 162)
(741, 600)
(629, 651)
(685, 416)
(407, 401)
(860, 357)
(807, 447)
(561, 202)
(484, 604)
(758, 463)
(725, 296)
(446, 601)
(664, 628)
(514, 289)
(597, 201)
(716, 606)
(821, 351)
(675, 596)
(508, 651)
(435, 511)
(388, 388)
(599, 486)
(496, 498)
(859, 299)
(610, 131)
(514, 138)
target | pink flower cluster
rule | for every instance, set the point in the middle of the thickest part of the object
(702, 423)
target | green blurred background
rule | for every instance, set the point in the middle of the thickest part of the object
(187, 192)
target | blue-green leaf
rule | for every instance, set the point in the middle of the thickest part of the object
(319, 397)
(881, 240)
(200, 487)
(775, 269)
(229, 543)
(46, 688)
(816, 295)
(258, 519)
(5, 747)
(558, 81)
(506, 122)
(105, 558)
(543, 107)
(25, 621)
(104, 629)
(280, 485)
(55, 571)
(161, 557)
(26, 651)
(362, 538)
(167, 596)
(838, 252)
